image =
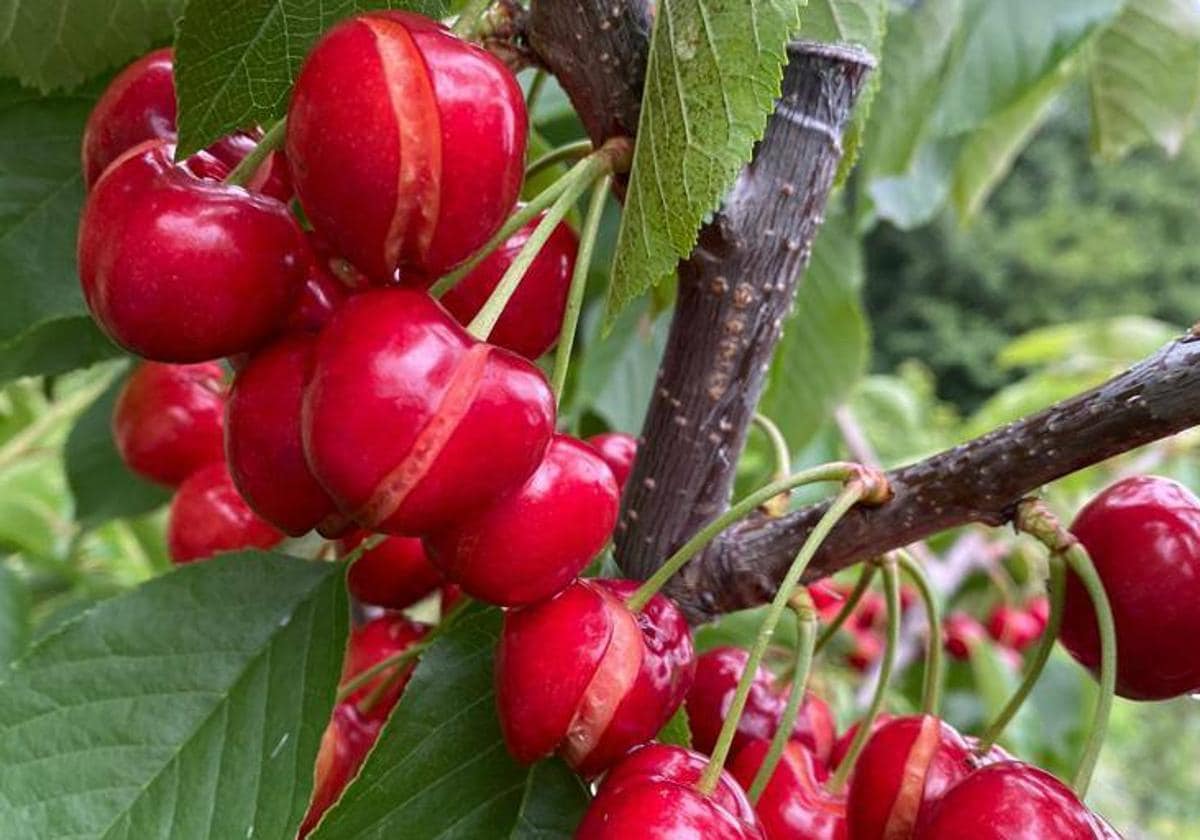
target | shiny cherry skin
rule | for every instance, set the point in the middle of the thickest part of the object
(370, 644)
(842, 745)
(652, 793)
(583, 675)
(209, 516)
(167, 422)
(531, 321)
(442, 425)
(906, 766)
(1143, 534)
(321, 296)
(394, 574)
(406, 143)
(794, 803)
(1009, 801)
(618, 451)
(537, 539)
(344, 747)
(1014, 627)
(961, 633)
(828, 597)
(263, 444)
(181, 268)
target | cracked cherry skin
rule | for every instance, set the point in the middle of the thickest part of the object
(442, 425)
(794, 802)
(370, 644)
(406, 143)
(534, 541)
(209, 516)
(167, 422)
(652, 793)
(177, 267)
(582, 675)
(618, 451)
(394, 574)
(1143, 534)
(344, 747)
(532, 320)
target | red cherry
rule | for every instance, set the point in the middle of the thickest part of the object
(828, 597)
(167, 420)
(209, 516)
(583, 675)
(1006, 801)
(1014, 627)
(441, 425)
(370, 644)
(394, 574)
(961, 633)
(533, 317)
(794, 803)
(406, 143)
(618, 451)
(652, 793)
(321, 295)
(842, 745)
(178, 268)
(1039, 608)
(866, 646)
(450, 596)
(1143, 535)
(908, 597)
(272, 176)
(534, 541)
(906, 766)
(344, 746)
(871, 612)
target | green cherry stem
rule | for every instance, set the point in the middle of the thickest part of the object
(570, 151)
(248, 165)
(891, 590)
(806, 635)
(579, 276)
(852, 601)
(854, 490)
(931, 693)
(777, 506)
(535, 90)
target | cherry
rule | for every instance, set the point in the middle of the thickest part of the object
(406, 144)
(842, 745)
(179, 268)
(652, 793)
(441, 425)
(828, 597)
(1014, 627)
(394, 574)
(272, 176)
(961, 633)
(1039, 608)
(209, 516)
(449, 598)
(794, 802)
(866, 646)
(1006, 801)
(618, 451)
(321, 295)
(534, 541)
(344, 747)
(167, 422)
(871, 612)
(370, 644)
(1143, 535)
(582, 674)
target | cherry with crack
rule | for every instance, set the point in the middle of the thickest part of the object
(795, 802)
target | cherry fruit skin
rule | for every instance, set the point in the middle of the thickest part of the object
(866, 647)
(394, 574)
(406, 143)
(842, 745)
(1014, 627)
(530, 323)
(167, 422)
(208, 516)
(961, 632)
(180, 268)
(583, 675)
(370, 644)
(618, 451)
(442, 425)
(344, 746)
(794, 802)
(534, 541)
(1143, 535)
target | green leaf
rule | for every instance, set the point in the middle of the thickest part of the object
(236, 60)
(823, 353)
(101, 484)
(54, 347)
(190, 707)
(678, 730)
(14, 616)
(712, 80)
(440, 768)
(1144, 76)
(59, 43)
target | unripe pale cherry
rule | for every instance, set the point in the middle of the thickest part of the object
(370, 644)
(583, 675)
(794, 803)
(533, 316)
(534, 541)
(181, 268)
(441, 425)
(394, 574)
(344, 747)
(208, 516)
(167, 422)
(618, 451)
(406, 143)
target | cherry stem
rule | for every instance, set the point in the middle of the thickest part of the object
(837, 471)
(248, 165)
(806, 636)
(931, 692)
(535, 90)
(848, 608)
(468, 23)
(570, 151)
(854, 490)
(891, 591)
(579, 277)
(777, 506)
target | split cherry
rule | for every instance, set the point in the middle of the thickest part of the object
(344, 747)
(794, 803)
(209, 516)
(618, 451)
(394, 574)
